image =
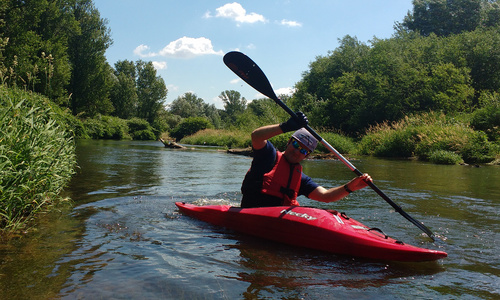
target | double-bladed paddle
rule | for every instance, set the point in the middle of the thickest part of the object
(250, 72)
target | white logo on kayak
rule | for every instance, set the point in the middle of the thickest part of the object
(292, 213)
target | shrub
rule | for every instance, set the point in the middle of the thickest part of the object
(222, 138)
(479, 150)
(445, 157)
(341, 143)
(190, 126)
(487, 118)
(140, 129)
(427, 134)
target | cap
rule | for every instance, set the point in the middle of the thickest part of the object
(307, 139)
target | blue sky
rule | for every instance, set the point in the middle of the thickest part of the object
(186, 40)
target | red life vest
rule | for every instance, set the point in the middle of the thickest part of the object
(283, 180)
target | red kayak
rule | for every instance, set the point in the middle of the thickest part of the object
(314, 228)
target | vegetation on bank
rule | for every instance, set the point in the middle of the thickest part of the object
(37, 156)
(430, 137)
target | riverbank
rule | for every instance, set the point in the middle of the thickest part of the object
(432, 137)
(37, 157)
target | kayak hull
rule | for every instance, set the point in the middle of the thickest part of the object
(313, 228)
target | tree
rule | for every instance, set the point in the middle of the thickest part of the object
(124, 90)
(189, 105)
(234, 104)
(151, 92)
(36, 53)
(446, 17)
(91, 78)
(124, 97)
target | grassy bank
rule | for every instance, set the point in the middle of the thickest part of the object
(433, 137)
(37, 156)
(430, 137)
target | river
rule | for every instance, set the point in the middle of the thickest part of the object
(123, 237)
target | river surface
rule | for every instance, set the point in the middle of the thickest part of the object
(123, 237)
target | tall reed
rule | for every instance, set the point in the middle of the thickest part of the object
(37, 157)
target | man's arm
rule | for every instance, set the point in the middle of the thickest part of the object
(262, 134)
(337, 193)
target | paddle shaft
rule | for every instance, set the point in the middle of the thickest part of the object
(250, 72)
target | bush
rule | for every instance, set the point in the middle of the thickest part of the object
(140, 129)
(428, 134)
(190, 126)
(221, 138)
(479, 150)
(487, 118)
(341, 143)
(444, 157)
(37, 157)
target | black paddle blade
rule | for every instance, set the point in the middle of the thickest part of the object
(249, 71)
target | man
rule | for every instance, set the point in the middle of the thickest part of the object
(276, 179)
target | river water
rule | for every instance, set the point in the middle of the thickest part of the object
(123, 237)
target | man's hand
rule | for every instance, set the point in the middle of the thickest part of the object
(294, 123)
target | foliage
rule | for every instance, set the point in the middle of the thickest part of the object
(140, 129)
(447, 17)
(36, 55)
(234, 104)
(190, 126)
(487, 118)
(342, 144)
(37, 157)
(221, 138)
(189, 105)
(423, 135)
(90, 81)
(151, 91)
(444, 157)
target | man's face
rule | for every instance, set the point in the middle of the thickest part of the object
(295, 151)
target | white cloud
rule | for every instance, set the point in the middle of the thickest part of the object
(141, 48)
(172, 87)
(160, 65)
(290, 23)
(235, 81)
(237, 13)
(187, 47)
(184, 47)
(285, 91)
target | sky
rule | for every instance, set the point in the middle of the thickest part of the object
(186, 39)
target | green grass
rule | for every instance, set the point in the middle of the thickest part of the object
(425, 135)
(37, 157)
(221, 138)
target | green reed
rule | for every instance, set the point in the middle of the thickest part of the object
(37, 157)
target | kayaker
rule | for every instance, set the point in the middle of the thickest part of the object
(275, 178)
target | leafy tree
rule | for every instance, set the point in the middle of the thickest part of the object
(151, 92)
(124, 91)
(36, 52)
(234, 104)
(91, 79)
(190, 105)
(190, 126)
(446, 17)
(124, 97)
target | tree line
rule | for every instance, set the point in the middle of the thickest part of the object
(444, 56)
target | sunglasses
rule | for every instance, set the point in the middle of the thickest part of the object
(302, 150)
